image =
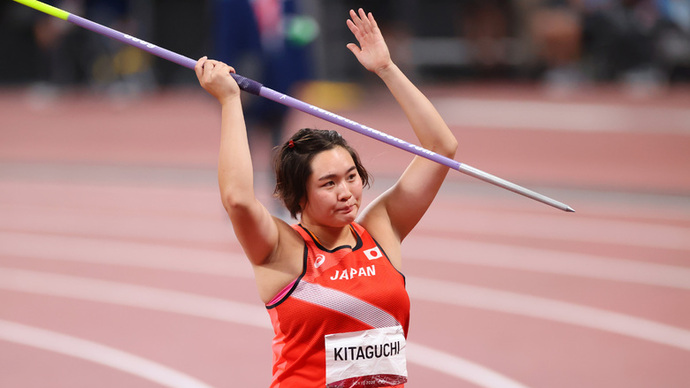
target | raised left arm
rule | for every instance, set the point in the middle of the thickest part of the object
(404, 204)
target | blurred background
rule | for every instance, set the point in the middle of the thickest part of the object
(118, 265)
(555, 41)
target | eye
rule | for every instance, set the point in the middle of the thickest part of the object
(328, 184)
(352, 176)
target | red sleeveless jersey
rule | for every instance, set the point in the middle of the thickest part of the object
(344, 321)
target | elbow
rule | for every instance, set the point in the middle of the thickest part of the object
(234, 203)
(451, 147)
(448, 147)
(442, 142)
(230, 204)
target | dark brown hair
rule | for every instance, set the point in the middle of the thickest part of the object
(292, 164)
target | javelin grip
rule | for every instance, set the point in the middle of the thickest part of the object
(247, 84)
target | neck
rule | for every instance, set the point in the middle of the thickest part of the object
(332, 237)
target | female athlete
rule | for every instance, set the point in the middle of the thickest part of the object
(332, 283)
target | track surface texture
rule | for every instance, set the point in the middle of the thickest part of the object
(119, 268)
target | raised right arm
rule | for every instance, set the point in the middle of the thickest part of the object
(255, 228)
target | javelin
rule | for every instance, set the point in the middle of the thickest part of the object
(258, 89)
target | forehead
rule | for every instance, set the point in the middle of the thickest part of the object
(334, 161)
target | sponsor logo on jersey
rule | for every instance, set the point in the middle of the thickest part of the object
(319, 260)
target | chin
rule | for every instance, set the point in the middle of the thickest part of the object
(340, 219)
(350, 217)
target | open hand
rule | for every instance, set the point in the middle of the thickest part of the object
(372, 51)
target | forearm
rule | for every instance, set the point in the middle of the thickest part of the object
(235, 170)
(373, 54)
(427, 123)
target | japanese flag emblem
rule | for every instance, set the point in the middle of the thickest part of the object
(373, 253)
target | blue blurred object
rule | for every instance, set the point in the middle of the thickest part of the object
(251, 36)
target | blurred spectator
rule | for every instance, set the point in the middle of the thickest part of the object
(672, 35)
(637, 42)
(488, 26)
(555, 27)
(620, 39)
(267, 41)
(69, 55)
(263, 40)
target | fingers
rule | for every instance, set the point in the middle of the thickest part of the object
(372, 21)
(209, 67)
(365, 20)
(205, 68)
(361, 21)
(198, 68)
(362, 24)
(216, 78)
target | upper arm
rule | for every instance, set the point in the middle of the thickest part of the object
(401, 207)
(273, 247)
(256, 230)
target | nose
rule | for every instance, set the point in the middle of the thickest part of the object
(344, 192)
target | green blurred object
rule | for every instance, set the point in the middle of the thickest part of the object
(301, 30)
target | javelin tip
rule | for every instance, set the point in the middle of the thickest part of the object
(45, 8)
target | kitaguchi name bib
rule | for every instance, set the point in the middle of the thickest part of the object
(368, 358)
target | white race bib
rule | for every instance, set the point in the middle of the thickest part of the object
(366, 358)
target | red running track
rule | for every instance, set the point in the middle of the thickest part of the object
(118, 266)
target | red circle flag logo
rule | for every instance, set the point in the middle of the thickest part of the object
(373, 253)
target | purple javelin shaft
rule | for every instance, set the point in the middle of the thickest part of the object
(122, 37)
(357, 127)
(257, 88)
(409, 147)
(245, 83)
(254, 87)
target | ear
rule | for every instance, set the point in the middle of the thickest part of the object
(302, 204)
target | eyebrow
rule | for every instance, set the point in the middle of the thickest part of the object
(331, 176)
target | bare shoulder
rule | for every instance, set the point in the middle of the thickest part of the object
(376, 221)
(284, 264)
(290, 244)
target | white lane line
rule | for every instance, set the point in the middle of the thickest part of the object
(124, 253)
(424, 289)
(558, 116)
(151, 298)
(96, 353)
(546, 261)
(419, 288)
(548, 309)
(458, 367)
(119, 223)
(557, 228)
(210, 262)
(164, 228)
(214, 308)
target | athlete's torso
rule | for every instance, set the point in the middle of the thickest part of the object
(349, 300)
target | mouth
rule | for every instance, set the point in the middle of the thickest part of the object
(346, 209)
